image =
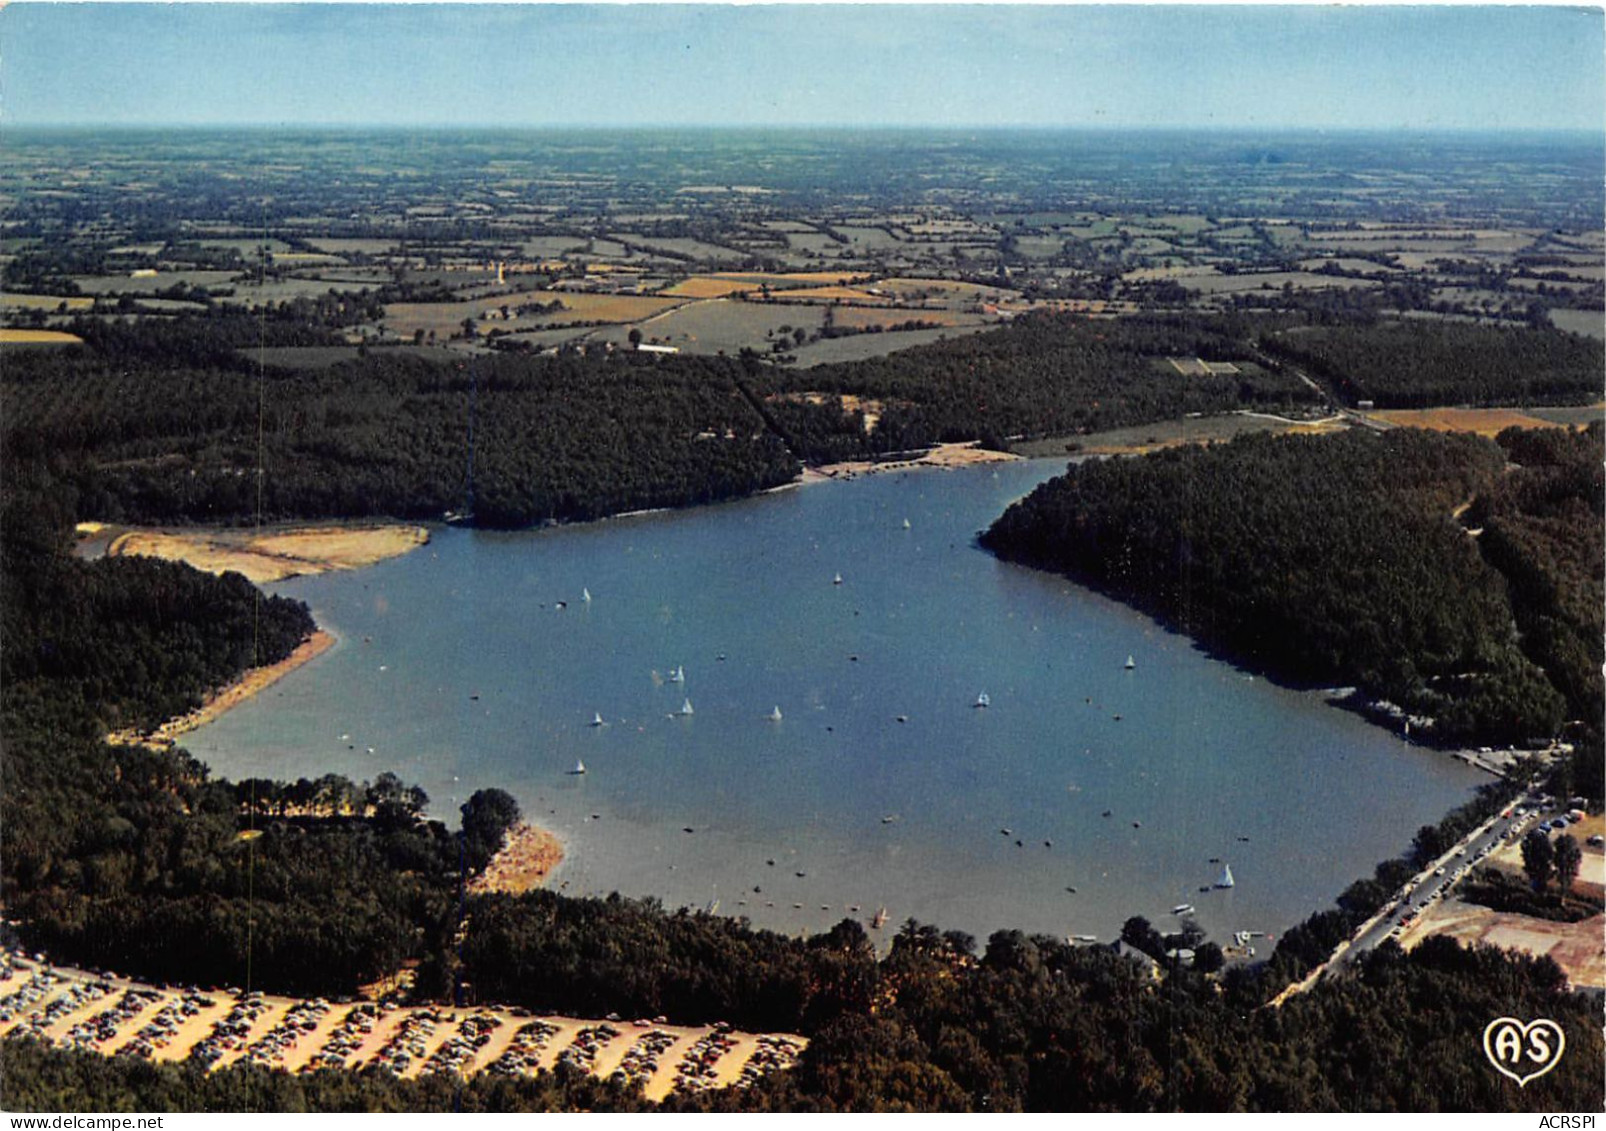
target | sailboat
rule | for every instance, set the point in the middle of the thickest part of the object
(596, 719)
(579, 768)
(685, 708)
(678, 675)
(775, 715)
(880, 919)
(837, 580)
(984, 700)
(1226, 880)
(585, 595)
(906, 524)
(1130, 663)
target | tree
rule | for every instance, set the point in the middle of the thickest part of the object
(487, 816)
(1568, 857)
(1538, 858)
(635, 337)
(1137, 932)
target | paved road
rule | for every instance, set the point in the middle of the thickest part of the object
(1438, 879)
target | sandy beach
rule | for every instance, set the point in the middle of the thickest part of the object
(943, 455)
(249, 684)
(272, 555)
(526, 860)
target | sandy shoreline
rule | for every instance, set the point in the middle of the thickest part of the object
(941, 456)
(269, 555)
(250, 683)
(527, 858)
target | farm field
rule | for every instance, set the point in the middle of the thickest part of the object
(724, 324)
(44, 302)
(445, 319)
(1483, 421)
(861, 346)
(1591, 322)
(1169, 434)
(862, 317)
(11, 337)
(150, 284)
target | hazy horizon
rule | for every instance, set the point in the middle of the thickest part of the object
(1023, 67)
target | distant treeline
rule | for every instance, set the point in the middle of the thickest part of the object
(154, 428)
(1418, 363)
(1335, 560)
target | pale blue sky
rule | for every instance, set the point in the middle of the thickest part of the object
(543, 65)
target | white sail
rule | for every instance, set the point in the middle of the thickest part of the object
(596, 718)
(1130, 663)
(685, 708)
(585, 595)
(775, 715)
(1226, 880)
(837, 580)
(678, 675)
(984, 700)
(579, 768)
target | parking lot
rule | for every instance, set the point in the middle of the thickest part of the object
(218, 1027)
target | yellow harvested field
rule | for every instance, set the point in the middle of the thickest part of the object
(44, 302)
(701, 286)
(37, 337)
(827, 277)
(832, 294)
(1483, 421)
(276, 555)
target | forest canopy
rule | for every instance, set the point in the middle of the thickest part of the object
(1325, 560)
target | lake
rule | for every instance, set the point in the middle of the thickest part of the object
(476, 661)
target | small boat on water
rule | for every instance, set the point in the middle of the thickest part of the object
(579, 768)
(585, 595)
(880, 919)
(837, 580)
(678, 675)
(1182, 909)
(906, 524)
(1081, 938)
(984, 700)
(685, 708)
(596, 719)
(1130, 663)
(1226, 880)
(775, 715)
(712, 908)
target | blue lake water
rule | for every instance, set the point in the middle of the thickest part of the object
(460, 669)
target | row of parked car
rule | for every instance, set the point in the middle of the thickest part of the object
(36, 996)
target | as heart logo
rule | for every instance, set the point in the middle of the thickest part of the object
(1523, 1050)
